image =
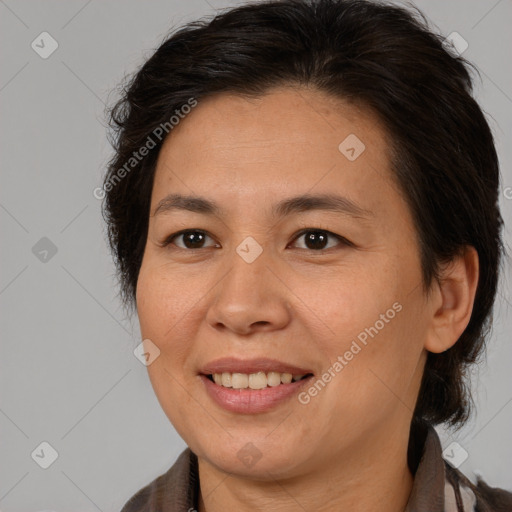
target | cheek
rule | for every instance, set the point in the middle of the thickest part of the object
(350, 302)
(162, 301)
(375, 329)
(380, 376)
(165, 309)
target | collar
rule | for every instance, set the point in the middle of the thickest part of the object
(427, 465)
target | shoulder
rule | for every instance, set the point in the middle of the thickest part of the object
(143, 500)
(440, 487)
(173, 491)
(474, 498)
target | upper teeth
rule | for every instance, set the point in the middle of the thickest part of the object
(258, 380)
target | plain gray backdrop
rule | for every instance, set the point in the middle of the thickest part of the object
(68, 374)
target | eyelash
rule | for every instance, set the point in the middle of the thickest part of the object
(169, 240)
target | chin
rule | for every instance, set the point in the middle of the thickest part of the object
(258, 460)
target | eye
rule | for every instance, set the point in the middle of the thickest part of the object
(317, 239)
(314, 239)
(191, 239)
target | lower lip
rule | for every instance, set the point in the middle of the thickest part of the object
(252, 401)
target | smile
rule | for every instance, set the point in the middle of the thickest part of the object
(259, 380)
(246, 400)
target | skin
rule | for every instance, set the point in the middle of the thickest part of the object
(346, 449)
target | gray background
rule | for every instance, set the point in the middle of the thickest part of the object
(68, 375)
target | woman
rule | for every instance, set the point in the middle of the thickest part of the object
(303, 210)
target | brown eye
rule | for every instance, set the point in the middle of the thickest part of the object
(190, 239)
(318, 239)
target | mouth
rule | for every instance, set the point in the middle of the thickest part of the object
(258, 373)
(251, 386)
(255, 381)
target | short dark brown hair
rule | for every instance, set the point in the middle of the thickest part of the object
(382, 56)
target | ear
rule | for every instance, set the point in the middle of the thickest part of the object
(452, 301)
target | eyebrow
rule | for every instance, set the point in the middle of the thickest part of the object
(306, 202)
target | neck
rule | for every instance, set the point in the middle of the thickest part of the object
(374, 478)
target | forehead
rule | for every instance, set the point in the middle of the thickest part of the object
(288, 141)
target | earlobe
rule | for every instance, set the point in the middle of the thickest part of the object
(453, 301)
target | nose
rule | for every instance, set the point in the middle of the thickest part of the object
(251, 297)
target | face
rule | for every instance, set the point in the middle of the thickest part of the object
(332, 292)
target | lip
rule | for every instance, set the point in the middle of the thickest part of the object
(252, 401)
(261, 364)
